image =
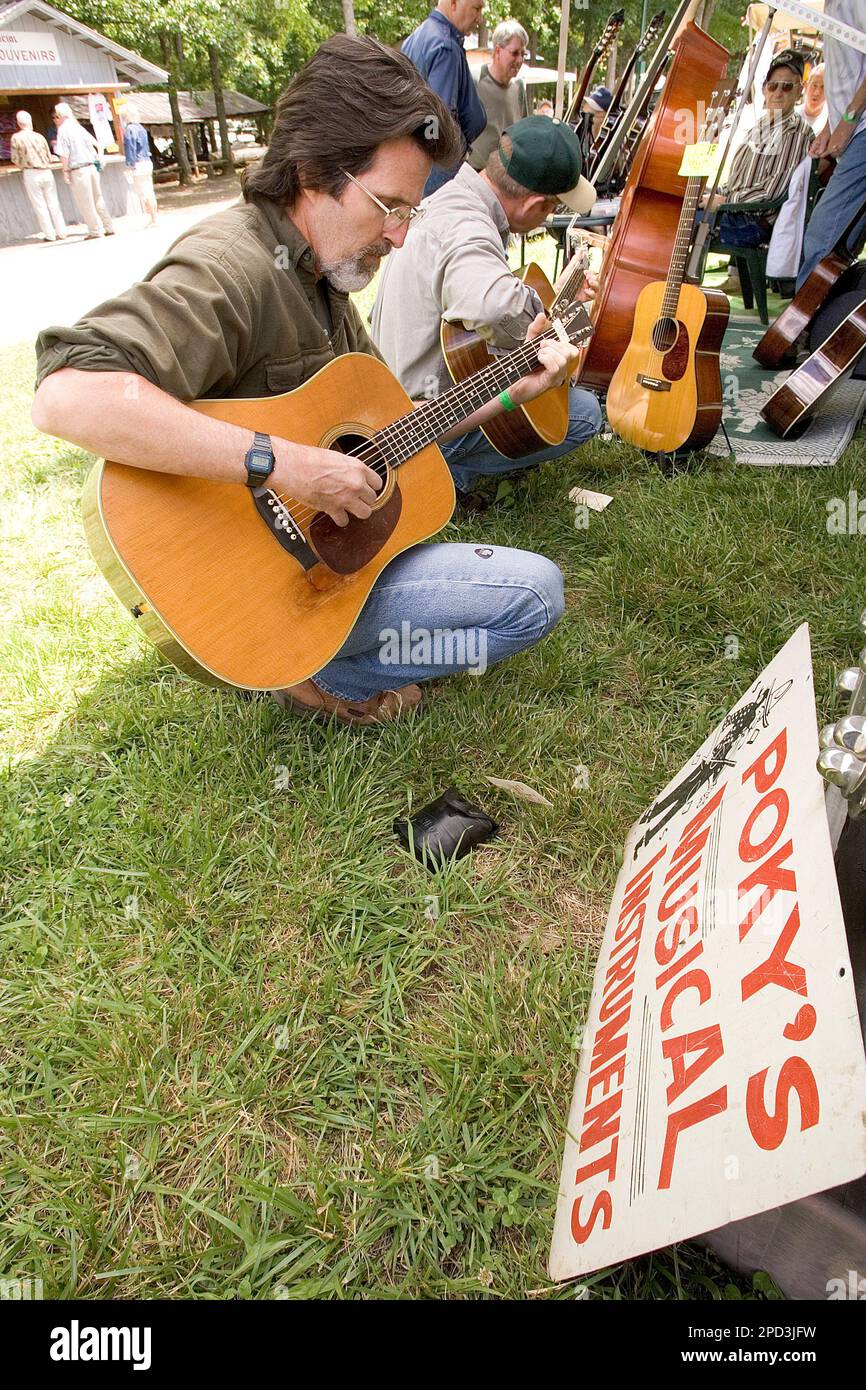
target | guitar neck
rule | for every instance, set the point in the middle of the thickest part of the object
(570, 288)
(410, 434)
(682, 246)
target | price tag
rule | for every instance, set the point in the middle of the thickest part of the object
(700, 160)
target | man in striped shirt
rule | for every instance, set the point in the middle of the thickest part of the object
(762, 167)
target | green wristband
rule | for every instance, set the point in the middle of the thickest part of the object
(850, 117)
(505, 401)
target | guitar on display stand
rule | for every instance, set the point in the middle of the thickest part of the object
(574, 117)
(240, 586)
(649, 37)
(666, 393)
(779, 344)
(541, 422)
(792, 405)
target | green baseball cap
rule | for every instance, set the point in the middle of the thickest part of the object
(544, 156)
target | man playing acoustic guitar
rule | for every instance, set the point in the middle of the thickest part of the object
(253, 301)
(455, 266)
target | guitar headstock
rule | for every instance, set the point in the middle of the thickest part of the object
(609, 33)
(653, 30)
(573, 323)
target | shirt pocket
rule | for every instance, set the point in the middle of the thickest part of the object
(286, 373)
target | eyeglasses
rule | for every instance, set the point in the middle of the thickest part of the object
(395, 218)
(780, 86)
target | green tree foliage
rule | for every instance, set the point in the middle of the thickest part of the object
(263, 42)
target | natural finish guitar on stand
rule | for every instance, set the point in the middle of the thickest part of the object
(241, 587)
(666, 393)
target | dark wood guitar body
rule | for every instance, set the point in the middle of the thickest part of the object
(779, 343)
(514, 433)
(790, 407)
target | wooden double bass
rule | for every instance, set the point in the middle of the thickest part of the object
(645, 232)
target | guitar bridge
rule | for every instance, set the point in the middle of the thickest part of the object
(653, 383)
(283, 527)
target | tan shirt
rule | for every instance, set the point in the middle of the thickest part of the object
(452, 265)
(30, 150)
(233, 309)
(504, 106)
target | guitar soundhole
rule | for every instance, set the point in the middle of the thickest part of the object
(346, 549)
(665, 334)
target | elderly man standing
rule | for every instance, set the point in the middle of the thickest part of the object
(502, 95)
(31, 154)
(436, 49)
(78, 151)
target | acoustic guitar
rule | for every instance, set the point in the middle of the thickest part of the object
(666, 393)
(779, 343)
(242, 587)
(544, 421)
(792, 404)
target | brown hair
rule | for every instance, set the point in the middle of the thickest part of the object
(353, 94)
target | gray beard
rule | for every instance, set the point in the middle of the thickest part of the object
(351, 274)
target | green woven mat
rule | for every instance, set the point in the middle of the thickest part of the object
(745, 389)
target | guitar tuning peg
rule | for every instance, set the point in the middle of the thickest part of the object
(827, 736)
(847, 680)
(850, 733)
(841, 769)
(862, 621)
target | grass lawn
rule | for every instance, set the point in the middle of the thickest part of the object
(251, 1050)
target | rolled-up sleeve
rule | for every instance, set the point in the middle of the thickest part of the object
(479, 289)
(186, 328)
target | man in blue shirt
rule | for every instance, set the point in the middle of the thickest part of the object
(436, 49)
(139, 164)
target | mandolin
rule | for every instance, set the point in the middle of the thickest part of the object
(779, 343)
(544, 421)
(239, 586)
(792, 404)
(666, 393)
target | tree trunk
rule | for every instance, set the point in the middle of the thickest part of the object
(170, 61)
(220, 104)
(349, 18)
(705, 13)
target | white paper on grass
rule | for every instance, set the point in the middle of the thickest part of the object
(721, 1069)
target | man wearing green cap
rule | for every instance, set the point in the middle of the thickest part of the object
(454, 265)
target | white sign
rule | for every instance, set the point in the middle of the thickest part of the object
(28, 50)
(99, 112)
(721, 1069)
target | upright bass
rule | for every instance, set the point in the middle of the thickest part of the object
(641, 246)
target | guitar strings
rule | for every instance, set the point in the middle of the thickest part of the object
(370, 452)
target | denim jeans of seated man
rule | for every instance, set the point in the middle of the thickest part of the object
(472, 456)
(438, 610)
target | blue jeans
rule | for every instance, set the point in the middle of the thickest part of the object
(472, 456)
(845, 192)
(440, 609)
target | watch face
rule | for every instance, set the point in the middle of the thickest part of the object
(261, 461)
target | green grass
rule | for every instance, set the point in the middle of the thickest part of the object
(238, 1020)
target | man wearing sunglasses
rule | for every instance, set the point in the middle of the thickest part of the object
(762, 167)
(253, 302)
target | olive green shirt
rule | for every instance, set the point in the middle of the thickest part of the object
(234, 308)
